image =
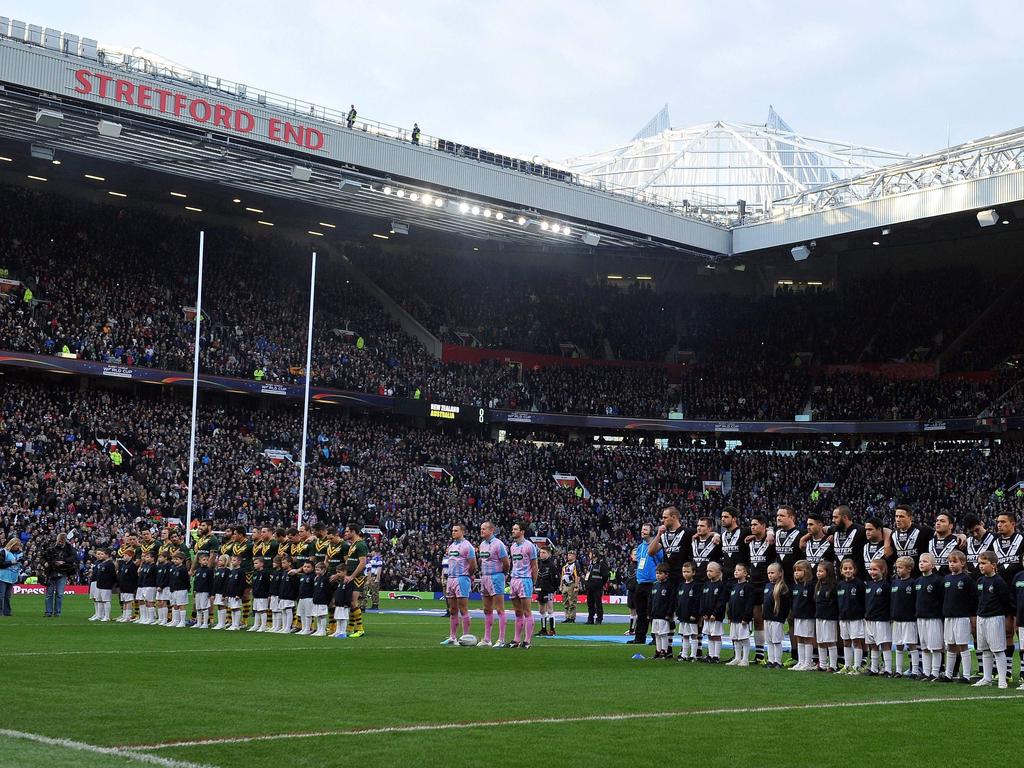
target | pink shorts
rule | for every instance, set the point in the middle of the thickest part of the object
(522, 588)
(457, 586)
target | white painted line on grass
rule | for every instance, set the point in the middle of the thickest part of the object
(80, 746)
(326, 646)
(426, 727)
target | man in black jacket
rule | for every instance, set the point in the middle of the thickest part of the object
(59, 562)
(596, 578)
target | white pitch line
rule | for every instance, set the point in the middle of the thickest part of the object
(426, 727)
(122, 752)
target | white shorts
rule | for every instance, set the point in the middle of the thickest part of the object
(803, 627)
(234, 603)
(179, 597)
(219, 600)
(127, 597)
(92, 590)
(147, 594)
(659, 627)
(929, 634)
(202, 601)
(163, 594)
(904, 633)
(319, 609)
(826, 631)
(877, 632)
(851, 629)
(956, 631)
(713, 628)
(991, 633)
(339, 612)
(739, 631)
(774, 631)
(284, 605)
(305, 607)
(260, 604)
(103, 595)
(686, 629)
(275, 603)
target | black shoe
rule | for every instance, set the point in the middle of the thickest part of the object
(512, 645)
(590, 621)
(634, 641)
(524, 645)
(887, 674)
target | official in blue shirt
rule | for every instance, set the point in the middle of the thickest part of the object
(645, 568)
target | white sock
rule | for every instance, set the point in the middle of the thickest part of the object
(715, 648)
(874, 660)
(276, 621)
(163, 614)
(759, 638)
(965, 663)
(833, 656)
(950, 663)
(915, 662)
(887, 661)
(222, 616)
(343, 621)
(287, 624)
(807, 654)
(986, 665)
(104, 610)
(936, 663)
(848, 655)
(1000, 663)
(694, 644)
(858, 657)
(236, 617)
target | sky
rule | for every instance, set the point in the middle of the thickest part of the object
(572, 77)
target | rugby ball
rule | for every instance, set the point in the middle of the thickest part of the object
(468, 640)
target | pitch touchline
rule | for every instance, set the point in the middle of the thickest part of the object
(329, 646)
(80, 746)
(558, 721)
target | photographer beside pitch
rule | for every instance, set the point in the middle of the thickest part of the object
(59, 563)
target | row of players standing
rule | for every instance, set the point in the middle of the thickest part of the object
(760, 545)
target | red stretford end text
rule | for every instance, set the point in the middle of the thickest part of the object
(202, 111)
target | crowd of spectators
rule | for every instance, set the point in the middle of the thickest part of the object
(57, 474)
(112, 284)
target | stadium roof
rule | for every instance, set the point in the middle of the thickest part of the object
(712, 166)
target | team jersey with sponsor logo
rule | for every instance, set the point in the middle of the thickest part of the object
(491, 552)
(458, 557)
(522, 556)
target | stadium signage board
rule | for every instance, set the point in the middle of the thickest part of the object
(173, 102)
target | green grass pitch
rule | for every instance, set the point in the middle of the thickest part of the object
(106, 694)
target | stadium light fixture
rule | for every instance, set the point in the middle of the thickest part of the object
(875, 242)
(886, 231)
(463, 207)
(987, 218)
(413, 196)
(566, 231)
(179, 194)
(1005, 221)
(236, 200)
(49, 118)
(475, 210)
(381, 237)
(117, 194)
(521, 221)
(36, 178)
(193, 209)
(439, 202)
(386, 190)
(591, 238)
(301, 173)
(545, 226)
(94, 177)
(428, 199)
(254, 210)
(5, 160)
(800, 252)
(499, 216)
(400, 193)
(644, 277)
(329, 226)
(614, 277)
(556, 228)
(314, 232)
(399, 228)
(55, 162)
(108, 129)
(40, 152)
(487, 213)
(266, 223)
